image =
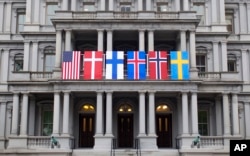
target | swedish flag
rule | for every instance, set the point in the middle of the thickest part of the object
(179, 65)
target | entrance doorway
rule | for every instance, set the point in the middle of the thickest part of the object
(87, 127)
(125, 127)
(163, 127)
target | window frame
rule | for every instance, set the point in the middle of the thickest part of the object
(18, 58)
(48, 51)
(229, 16)
(200, 66)
(205, 123)
(159, 5)
(231, 58)
(125, 6)
(46, 108)
(88, 4)
(18, 24)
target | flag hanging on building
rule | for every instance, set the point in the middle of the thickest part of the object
(71, 65)
(136, 65)
(114, 65)
(157, 65)
(179, 65)
(92, 64)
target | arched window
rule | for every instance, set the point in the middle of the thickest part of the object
(162, 108)
(87, 108)
(18, 62)
(49, 59)
(125, 108)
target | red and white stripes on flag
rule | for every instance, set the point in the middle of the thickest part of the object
(71, 65)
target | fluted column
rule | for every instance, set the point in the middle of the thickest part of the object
(111, 5)
(183, 40)
(99, 114)
(109, 119)
(224, 56)
(216, 56)
(235, 114)
(109, 40)
(142, 39)
(73, 5)
(68, 40)
(26, 57)
(58, 48)
(247, 117)
(34, 56)
(150, 40)
(151, 114)
(56, 113)
(226, 115)
(100, 39)
(15, 114)
(185, 124)
(194, 109)
(142, 131)
(185, 5)
(66, 103)
(24, 115)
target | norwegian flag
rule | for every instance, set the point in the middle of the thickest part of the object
(93, 62)
(158, 65)
(136, 65)
(71, 65)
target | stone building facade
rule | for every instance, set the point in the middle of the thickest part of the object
(123, 117)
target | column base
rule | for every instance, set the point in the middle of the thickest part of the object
(17, 142)
(148, 142)
(65, 142)
(185, 141)
(103, 142)
(2, 143)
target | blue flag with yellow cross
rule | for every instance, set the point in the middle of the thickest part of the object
(179, 63)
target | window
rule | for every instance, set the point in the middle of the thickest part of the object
(88, 108)
(162, 7)
(49, 59)
(47, 122)
(88, 7)
(20, 21)
(125, 7)
(231, 63)
(229, 21)
(203, 122)
(50, 12)
(201, 63)
(18, 62)
(200, 10)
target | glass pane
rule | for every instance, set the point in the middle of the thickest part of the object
(49, 62)
(162, 7)
(47, 123)
(88, 7)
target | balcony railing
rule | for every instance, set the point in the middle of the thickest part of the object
(38, 142)
(211, 142)
(40, 76)
(209, 75)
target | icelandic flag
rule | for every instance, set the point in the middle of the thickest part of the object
(136, 65)
(179, 65)
(158, 65)
(114, 65)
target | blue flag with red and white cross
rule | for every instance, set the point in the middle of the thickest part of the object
(136, 65)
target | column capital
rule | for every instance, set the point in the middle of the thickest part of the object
(67, 29)
(57, 92)
(150, 30)
(66, 92)
(109, 30)
(100, 91)
(109, 91)
(141, 30)
(225, 93)
(100, 30)
(151, 91)
(25, 93)
(142, 91)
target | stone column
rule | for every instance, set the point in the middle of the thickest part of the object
(214, 11)
(216, 57)
(142, 131)
(150, 40)
(235, 114)
(66, 103)
(142, 39)
(224, 55)
(24, 115)
(26, 56)
(36, 12)
(58, 49)
(7, 17)
(247, 117)
(185, 124)
(68, 40)
(109, 119)
(183, 40)
(2, 119)
(177, 5)
(73, 5)
(192, 48)
(4, 65)
(99, 114)
(56, 114)
(109, 40)
(148, 5)
(185, 5)
(15, 114)
(194, 109)
(111, 5)
(140, 6)
(64, 4)
(222, 11)
(28, 12)
(151, 114)
(34, 56)
(1, 15)
(245, 65)
(243, 19)
(248, 18)
(100, 39)
(218, 116)
(226, 115)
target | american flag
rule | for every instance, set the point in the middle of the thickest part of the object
(71, 65)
